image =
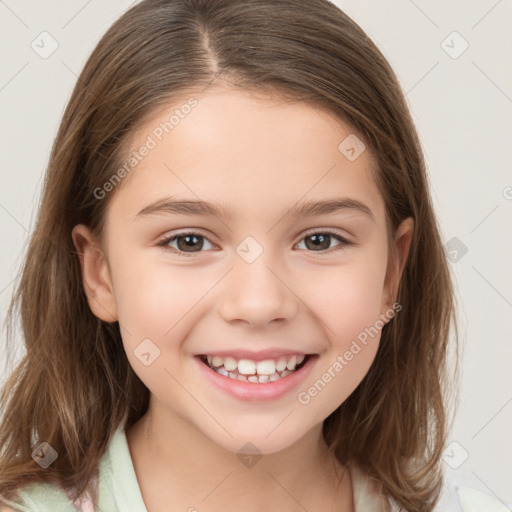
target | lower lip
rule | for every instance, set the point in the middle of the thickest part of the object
(252, 391)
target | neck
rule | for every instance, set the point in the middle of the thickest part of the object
(194, 471)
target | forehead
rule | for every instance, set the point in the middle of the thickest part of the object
(248, 149)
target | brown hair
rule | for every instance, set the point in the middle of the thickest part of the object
(74, 386)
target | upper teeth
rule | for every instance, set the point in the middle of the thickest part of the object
(250, 367)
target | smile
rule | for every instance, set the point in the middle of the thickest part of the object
(247, 370)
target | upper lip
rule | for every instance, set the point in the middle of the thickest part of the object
(260, 355)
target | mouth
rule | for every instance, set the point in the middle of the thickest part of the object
(255, 372)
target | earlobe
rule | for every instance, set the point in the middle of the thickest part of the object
(96, 277)
(396, 263)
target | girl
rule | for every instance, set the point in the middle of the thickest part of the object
(236, 284)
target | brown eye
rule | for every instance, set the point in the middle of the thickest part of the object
(320, 241)
(189, 243)
(185, 242)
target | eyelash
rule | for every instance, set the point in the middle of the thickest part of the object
(165, 242)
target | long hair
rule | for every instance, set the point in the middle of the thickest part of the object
(74, 386)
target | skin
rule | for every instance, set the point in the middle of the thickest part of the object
(259, 155)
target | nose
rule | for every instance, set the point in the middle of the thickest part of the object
(256, 293)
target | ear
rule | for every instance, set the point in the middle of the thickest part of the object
(396, 262)
(95, 274)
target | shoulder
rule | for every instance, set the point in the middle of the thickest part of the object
(459, 494)
(454, 496)
(40, 497)
(368, 493)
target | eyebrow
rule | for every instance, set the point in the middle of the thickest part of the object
(300, 209)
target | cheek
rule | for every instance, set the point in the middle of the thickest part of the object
(152, 298)
(359, 304)
(356, 324)
(346, 298)
(348, 303)
(155, 304)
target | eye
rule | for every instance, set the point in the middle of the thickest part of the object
(320, 241)
(188, 242)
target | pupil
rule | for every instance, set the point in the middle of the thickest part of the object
(319, 241)
(189, 238)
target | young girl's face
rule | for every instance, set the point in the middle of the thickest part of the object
(262, 278)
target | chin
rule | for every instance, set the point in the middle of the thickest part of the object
(258, 441)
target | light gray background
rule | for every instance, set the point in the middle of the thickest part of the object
(462, 109)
